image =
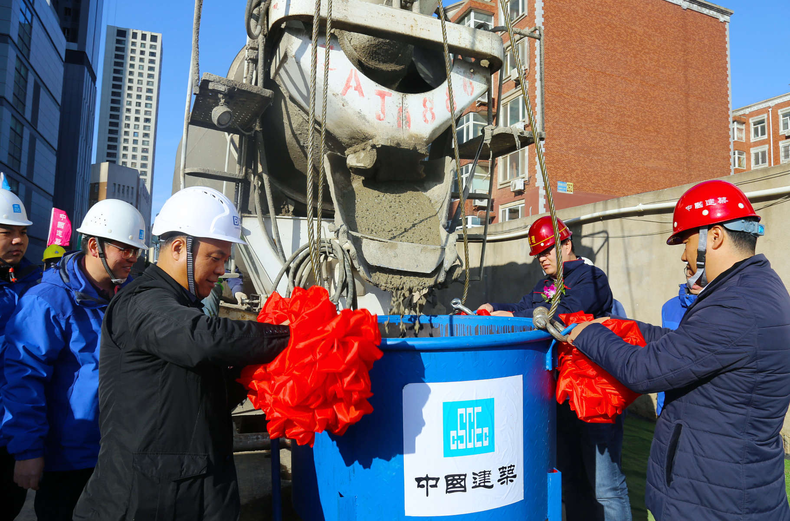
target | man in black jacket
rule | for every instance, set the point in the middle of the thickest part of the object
(165, 387)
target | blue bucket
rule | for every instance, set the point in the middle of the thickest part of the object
(463, 427)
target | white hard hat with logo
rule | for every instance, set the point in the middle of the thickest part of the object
(115, 220)
(12, 211)
(202, 212)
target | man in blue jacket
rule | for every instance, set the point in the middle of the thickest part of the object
(672, 313)
(717, 451)
(51, 358)
(17, 275)
(588, 454)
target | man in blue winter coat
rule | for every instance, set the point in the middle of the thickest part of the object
(717, 451)
(17, 275)
(588, 454)
(50, 360)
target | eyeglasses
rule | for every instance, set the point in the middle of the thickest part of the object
(126, 252)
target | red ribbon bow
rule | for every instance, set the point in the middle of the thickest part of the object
(594, 394)
(320, 381)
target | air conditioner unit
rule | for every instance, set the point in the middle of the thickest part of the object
(480, 202)
(517, 185)
(513, 73)
(786, 132)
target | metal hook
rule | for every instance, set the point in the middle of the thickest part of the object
(541, 320)
(458, 305)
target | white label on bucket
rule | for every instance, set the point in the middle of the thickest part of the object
(463, 446)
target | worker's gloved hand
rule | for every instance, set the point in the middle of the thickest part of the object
(240, 297)
(27, 472)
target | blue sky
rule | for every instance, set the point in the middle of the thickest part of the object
(759, 35)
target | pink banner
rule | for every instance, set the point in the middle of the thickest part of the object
(59, 228)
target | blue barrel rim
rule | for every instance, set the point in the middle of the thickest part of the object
(462, 342)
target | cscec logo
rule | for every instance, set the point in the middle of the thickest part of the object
(468, 427)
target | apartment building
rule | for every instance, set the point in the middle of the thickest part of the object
(632, 97)
(761, 134)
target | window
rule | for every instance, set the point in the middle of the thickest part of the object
(510, 59)
(144, 165)
(514, 112)
(760, 156)
(25, 28)
(146, 134)
(141, 67)
(149, 83)
(147, 112)
(152, 54)
(132, 58)
(149, 91)
(15, 144)
(120, 57)
(146, 142)
(146, 127)
(120, 33)
(738, 159)
(149, 98)
(144, 158)
(784, 151)
(135, 134)
(476, 18)
(479, 180)
(470, 126)
(154, 38)
(514, 165)
(128, 103)
(126, 141)
(144, 37)
(134, 35)
(511, 212)
(148, 105)
(152, 46)
(134, 44)
(134, 141)
(144, 150)
(784, 122)
(112, 147)
(759, 128)
(117, 64)
(517, 8)
(20, 85)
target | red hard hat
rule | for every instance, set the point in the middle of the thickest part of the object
(541, 235)
(709, 203)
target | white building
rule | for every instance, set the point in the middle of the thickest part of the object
(130, 100)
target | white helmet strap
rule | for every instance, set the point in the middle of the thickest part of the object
(699, 277)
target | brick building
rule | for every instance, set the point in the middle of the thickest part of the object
(632, 96)
(761, 134)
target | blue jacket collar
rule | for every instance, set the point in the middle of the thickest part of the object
(70, 276)
(686, 299)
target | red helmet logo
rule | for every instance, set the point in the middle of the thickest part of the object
(541, 235)
(709, 203)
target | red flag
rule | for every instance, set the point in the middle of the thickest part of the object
(59, 228)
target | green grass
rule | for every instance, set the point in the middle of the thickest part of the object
(637, 438)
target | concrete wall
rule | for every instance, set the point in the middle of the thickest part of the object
(643, 271)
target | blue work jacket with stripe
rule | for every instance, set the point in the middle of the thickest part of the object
(27, 275)
(717, 452)
(51, 358)
(586, 289)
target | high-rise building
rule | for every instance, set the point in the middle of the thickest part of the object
(130, 100)
(82, 27)
(32, 51)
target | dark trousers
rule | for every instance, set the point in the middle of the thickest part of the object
(588, 455)
(58, 493)
(12, 496)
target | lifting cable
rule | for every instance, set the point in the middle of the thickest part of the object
(560, 284)
(451, 98)
(313, 240)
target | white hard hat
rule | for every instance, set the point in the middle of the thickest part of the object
(115, 220)
(12, 211)
(202, 212)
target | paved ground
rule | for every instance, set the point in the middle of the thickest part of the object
(255, 488)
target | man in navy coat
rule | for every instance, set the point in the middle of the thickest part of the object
(588, 454)
(717, 452)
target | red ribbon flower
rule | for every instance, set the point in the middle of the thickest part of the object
(320, 381)
(594, 394)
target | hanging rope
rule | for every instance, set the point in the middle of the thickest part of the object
(447, 68)
(322, 167)
(312, 244)
(555, 301)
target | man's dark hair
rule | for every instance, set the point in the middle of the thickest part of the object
(84, 243)
(570, 240)
(166, 239)
(744, 242)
